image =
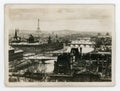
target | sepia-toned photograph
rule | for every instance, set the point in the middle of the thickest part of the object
(59, 44)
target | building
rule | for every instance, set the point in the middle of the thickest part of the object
(85, 43)
(15, 54)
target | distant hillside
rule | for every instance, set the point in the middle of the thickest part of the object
(60, 33)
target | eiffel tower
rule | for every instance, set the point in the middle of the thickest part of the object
(38, 28)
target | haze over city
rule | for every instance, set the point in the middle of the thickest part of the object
(60, 17)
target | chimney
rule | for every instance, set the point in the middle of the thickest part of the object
(80, 53)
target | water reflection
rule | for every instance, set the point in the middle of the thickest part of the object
(46, 67)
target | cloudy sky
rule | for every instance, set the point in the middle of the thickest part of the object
(60, 17)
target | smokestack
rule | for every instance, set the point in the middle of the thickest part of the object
(80, 53)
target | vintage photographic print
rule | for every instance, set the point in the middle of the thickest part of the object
(59, 44)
